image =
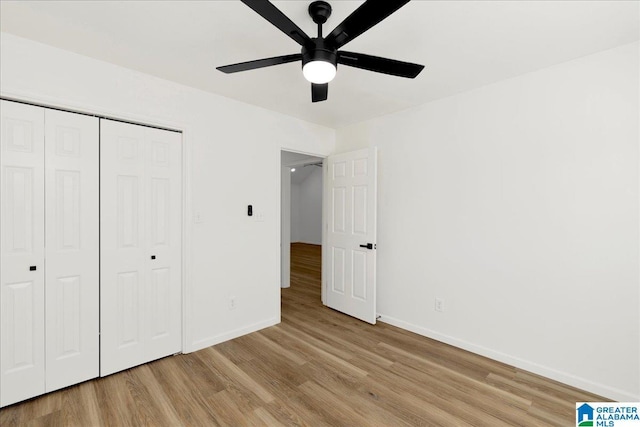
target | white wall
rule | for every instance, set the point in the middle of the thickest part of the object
(285, 227)
(518, 204)
(215, 130)
(295, 213)
(311, 208)
(306, 209)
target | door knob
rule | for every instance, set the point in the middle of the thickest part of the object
(368, 246)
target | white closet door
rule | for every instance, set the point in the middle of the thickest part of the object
(140, 229)
(164, 239)
(71, 276)
(21, 252)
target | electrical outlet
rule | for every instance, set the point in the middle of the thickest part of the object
(439, 304)
(232, 303)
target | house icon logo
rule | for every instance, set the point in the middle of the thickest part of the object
(584, 417)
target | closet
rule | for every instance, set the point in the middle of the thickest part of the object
(49, 250)
(90, 248)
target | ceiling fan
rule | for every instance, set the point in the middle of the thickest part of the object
(320, 56)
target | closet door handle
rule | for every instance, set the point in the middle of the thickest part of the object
(32, 268)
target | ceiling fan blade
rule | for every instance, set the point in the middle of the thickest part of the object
(319, 92)
(268, 11)
(259, 63)
(379, 65)
(366, 16)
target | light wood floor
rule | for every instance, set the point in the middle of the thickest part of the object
(317, 368)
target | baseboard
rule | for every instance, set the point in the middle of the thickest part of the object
(208, 342)
(563, 377)
(308, 243)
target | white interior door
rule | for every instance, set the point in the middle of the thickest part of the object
(349, 265)
(140, 241)
(71, 224)
(21, 252)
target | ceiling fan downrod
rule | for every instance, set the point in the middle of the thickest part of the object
(320, 11)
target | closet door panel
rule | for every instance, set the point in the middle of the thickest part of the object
(21, 252)
(123, 273)
(141, 210)
(71, 277)
(164, 165)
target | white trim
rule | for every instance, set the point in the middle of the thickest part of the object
(638, 164)
(310, 154)
(285, 227)
(563, 377)
(64, 104)
(325, 228)
(254, 327)
(187, 232)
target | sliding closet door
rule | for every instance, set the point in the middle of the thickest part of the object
(140, 229)
(71, 276)
(21, 252)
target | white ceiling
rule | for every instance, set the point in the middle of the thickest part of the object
(302, 173)
(464, 45)
(298, 161)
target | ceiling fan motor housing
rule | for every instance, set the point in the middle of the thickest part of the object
(318, 50)
(320, 11)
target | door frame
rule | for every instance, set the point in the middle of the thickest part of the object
(322, 156)
(187, 210)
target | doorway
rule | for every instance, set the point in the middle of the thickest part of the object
(301, 211)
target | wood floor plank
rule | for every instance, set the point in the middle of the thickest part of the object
(326, 352)
(360, 395)
(317, 368)
(189, 400)
(289, 407)
(238, 375)
(262, 418)
(331, 406)
(455, 379)
(117, 407)
(265, 344)
(153, 405)
(80, 406)
(228, 411)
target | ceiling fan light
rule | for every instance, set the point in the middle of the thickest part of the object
(319, 72)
